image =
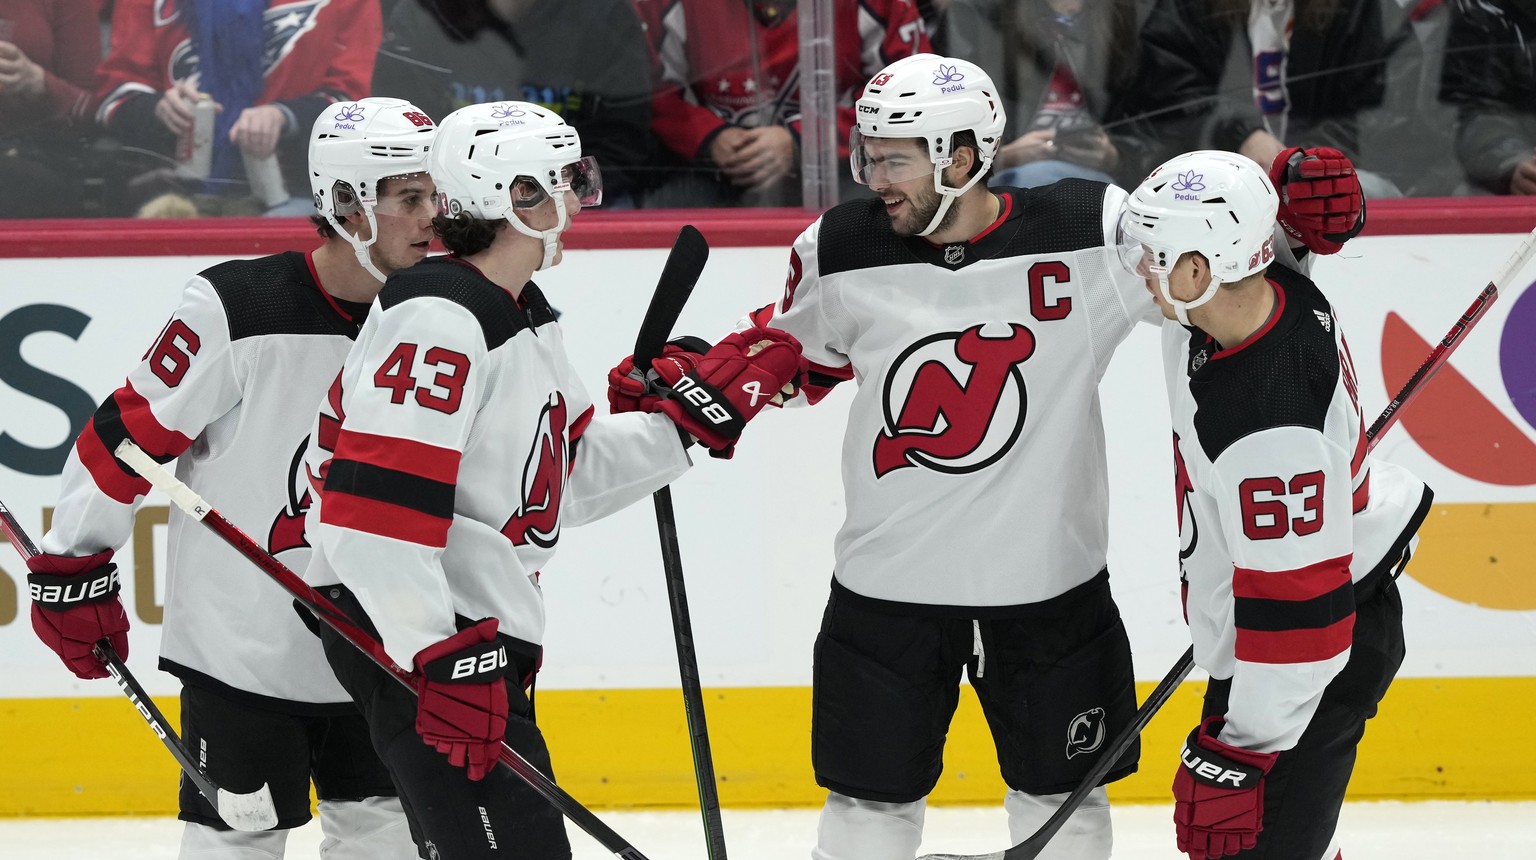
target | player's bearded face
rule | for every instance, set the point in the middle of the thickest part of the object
(404, 215)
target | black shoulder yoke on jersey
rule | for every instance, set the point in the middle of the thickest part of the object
(499, 315)
(1066, 216)
(274, 295)
(1284, 375)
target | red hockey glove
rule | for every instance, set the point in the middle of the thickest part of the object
(1218, 794)
(74, 606)
(631, 391)
(733, 382)
(461, 708)
(1321, 204)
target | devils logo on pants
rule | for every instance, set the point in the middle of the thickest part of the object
(544, 473)
(954, 402)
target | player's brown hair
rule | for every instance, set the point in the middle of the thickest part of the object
(464, 234)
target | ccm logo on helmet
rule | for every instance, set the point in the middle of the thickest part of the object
(868, 109)
(1214, 774)
(487, 663)
(708, 407)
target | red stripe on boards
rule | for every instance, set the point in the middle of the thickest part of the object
(1302, 583)
(401, 455)
(1307, 645)
(347, 511)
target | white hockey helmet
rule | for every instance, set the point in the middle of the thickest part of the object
(353, 146)
(496, 157)
(1219, 204)
(929, 98)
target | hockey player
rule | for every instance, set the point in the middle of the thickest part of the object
(230, 387)
(978, 325)
(452, 450)
(1292, 533)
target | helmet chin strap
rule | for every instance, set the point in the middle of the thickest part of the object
(360, 247)
(1182, 309)
(550, 238)
(950, 194)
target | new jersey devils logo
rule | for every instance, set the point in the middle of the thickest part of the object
(1085, 732)
(1182, 488)
(954, 402)
(287, 530)
(538, 522)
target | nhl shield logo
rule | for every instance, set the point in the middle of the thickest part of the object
(1199, 360)
(1085, 732)
(954, 255)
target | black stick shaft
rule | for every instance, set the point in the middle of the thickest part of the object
(684, 265)
(126, 681)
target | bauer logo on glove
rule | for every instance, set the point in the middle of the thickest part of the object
(57, 592)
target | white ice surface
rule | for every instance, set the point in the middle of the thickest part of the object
(1372, 831)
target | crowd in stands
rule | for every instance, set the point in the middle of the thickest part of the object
(201, 107)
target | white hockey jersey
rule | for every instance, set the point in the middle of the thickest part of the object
(1281, 509)
(973, 462)
(452, 449)
(229, 389)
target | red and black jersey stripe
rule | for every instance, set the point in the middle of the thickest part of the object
(573, 436)
(1294, 616)
(395, 488)
(125, 415)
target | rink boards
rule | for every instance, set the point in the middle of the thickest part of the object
(70, 327)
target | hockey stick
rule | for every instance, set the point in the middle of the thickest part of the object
(1454, 337)
(250, 812)
(1030, 848)
(678, 276)
(189, 501)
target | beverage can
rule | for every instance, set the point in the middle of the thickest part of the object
(195, 148)
(266, 178)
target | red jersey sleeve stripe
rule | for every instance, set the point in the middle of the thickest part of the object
(432, 462)
(1309, 645)
(1302, 583)
(111, 478)
(763, 315)
(579, 426)
(1362, 494)
(384, 519)
(144, 428)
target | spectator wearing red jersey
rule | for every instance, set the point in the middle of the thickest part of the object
(727, 101)
(48, 56)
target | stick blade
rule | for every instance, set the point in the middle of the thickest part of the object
(249, 812)
(995, 856)
(684, 265)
